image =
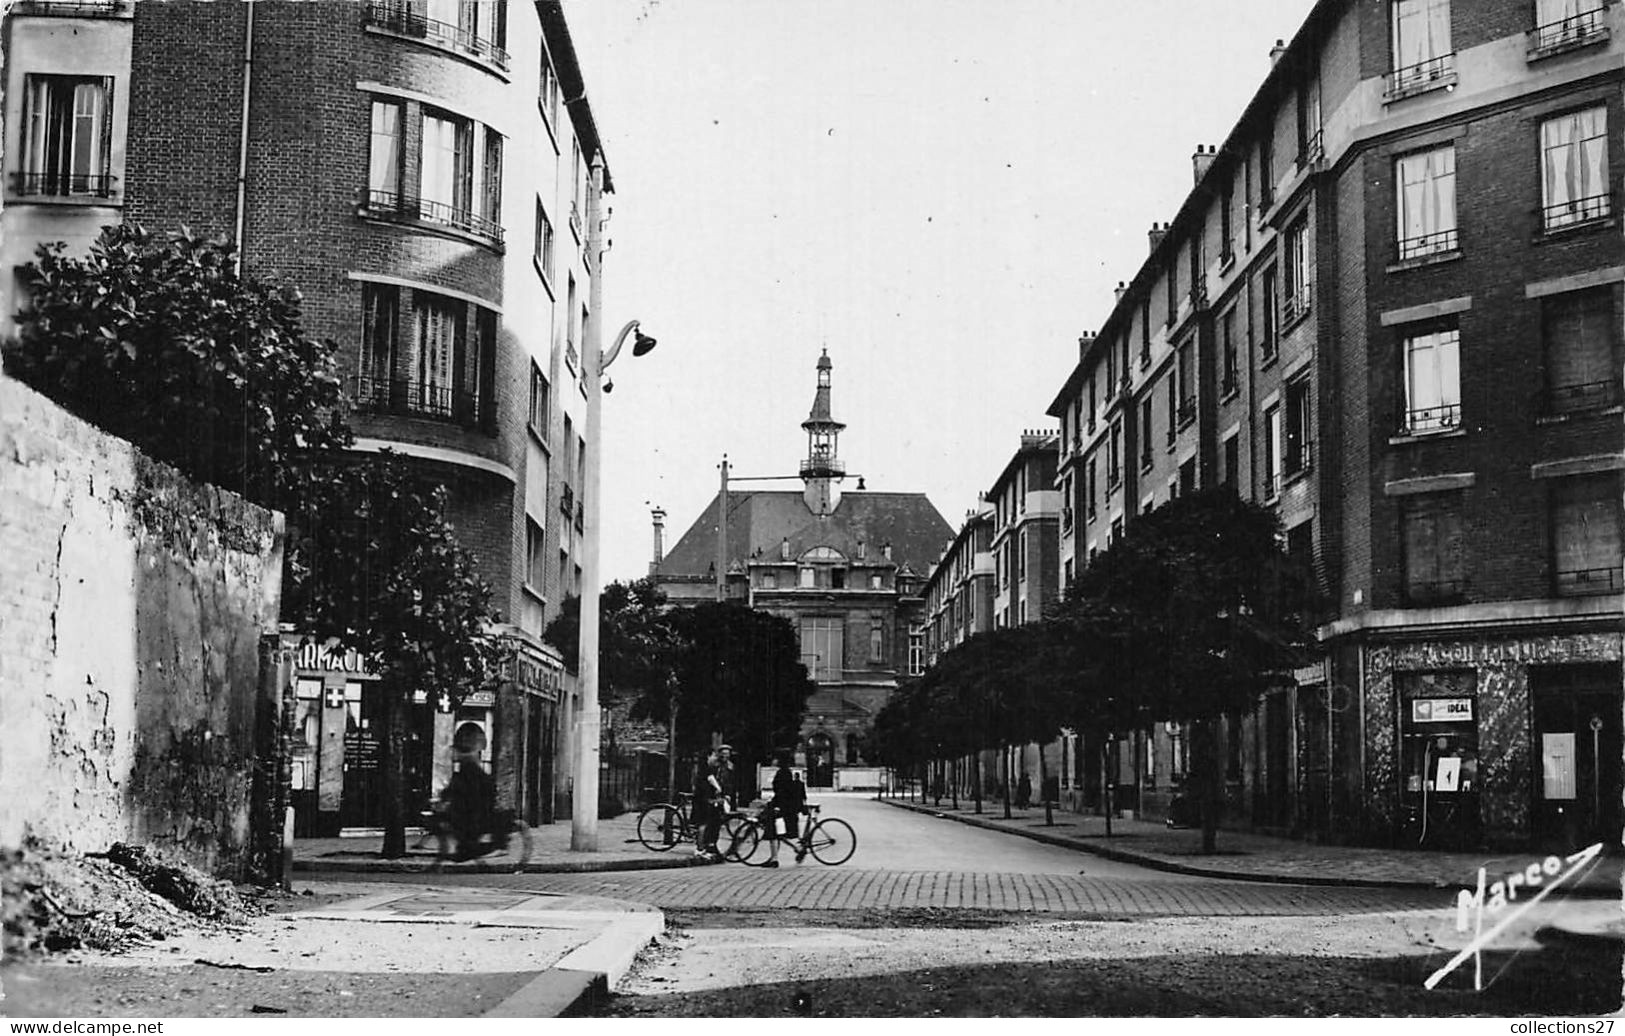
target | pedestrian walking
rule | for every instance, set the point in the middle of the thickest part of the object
(1024, 792)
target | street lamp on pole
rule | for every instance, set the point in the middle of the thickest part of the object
(584, 801)
(584, 797)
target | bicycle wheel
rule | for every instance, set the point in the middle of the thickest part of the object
(832, 841)
(661, 826)
(741, 842)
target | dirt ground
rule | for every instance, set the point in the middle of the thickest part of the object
(744, 965)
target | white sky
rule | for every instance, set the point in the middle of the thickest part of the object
(942, 192)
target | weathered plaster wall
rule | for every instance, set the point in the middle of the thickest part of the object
(131, 607)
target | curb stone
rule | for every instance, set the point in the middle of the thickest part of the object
(428, 867)
(585, 975)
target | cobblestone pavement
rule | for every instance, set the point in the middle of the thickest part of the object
(813, 887)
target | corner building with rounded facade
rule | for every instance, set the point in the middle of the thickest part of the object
(423, 171)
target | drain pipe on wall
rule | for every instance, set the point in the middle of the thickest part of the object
(242, 147)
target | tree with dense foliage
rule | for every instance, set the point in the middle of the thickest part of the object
(1196, 611)
(373, 564)
(711, 670)
(162, 341)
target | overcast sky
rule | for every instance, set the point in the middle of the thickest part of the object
(941, 192)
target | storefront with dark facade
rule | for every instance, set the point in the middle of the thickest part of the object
(1500, 741)
(335, 746)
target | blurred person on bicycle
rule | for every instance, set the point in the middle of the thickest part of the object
(470, 797)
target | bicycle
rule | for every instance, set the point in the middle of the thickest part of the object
(664, 825)
(509, 843)
(830, 840)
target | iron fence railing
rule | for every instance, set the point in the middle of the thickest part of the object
(1574, 31)
(1574, 399)
(405, 397)
(1578, 582)
(1431, 418)
(1576, 211)
(1431, 243)
(63, 185)
(1434, 71)
(405, 207)
(402, 18)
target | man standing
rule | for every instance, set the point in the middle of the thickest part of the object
(727, 778)
(708, 806)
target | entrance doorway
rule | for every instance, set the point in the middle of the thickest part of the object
(1576, 746)
(820, 762)
(363, 803)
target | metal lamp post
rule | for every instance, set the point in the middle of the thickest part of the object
(584, 800)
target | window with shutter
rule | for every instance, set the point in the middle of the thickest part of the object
(1433, 541)
(1586, 535)
(1579, 334)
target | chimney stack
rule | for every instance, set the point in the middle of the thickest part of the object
(1085, 340)
(1158, 232)
(1120, 290)
(1276, 52)
(659, 517)
(1203, 160)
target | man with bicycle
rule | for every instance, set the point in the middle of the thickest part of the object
(781, 818)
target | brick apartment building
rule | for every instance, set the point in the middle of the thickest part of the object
(425, 172)
(1390, 309)
(847, 569)
(959, 589)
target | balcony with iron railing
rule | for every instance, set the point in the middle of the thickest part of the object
(395, 207)
(1442, 417)
(1312, 150)
(1561, 400)
(1571, 33)
(1431, 74)
(403, 397)
(63, 185)
(1435, 592)
(1583, 582)
(1576, 212)
(1435, 242)
(400, 18)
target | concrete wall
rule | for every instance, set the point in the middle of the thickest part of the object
(130, 624)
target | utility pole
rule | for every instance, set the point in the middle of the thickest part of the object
(722, 534)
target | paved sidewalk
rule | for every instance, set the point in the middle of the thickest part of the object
(1253, 857)
(618, 849)
(363, 951)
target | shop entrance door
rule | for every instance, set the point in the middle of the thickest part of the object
(1576, 748)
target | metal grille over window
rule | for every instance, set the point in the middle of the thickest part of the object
(1426, 185)
(1432, 382)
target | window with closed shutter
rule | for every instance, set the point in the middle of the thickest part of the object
(1586, 535)
(1433, 541)
(1579, 336)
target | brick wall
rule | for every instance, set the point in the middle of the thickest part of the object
(129, 642)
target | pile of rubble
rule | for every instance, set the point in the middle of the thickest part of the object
(53, 901)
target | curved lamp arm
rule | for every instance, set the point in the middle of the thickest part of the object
(615, 350)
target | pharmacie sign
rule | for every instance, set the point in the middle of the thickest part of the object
(1441, 710)
(328, 658)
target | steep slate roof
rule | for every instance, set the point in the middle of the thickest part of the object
(762, 519)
